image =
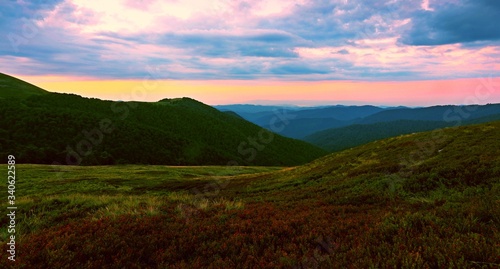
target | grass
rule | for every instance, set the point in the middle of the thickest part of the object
(388, 204)
(11, 87)
(59, 194)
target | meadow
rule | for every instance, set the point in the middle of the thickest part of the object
(427, 200)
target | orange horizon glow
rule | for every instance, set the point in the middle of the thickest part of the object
(219, 92)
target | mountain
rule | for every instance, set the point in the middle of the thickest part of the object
(450, 114)
(246, 108)
(303, 121)
(398, 122)
(11, 87)
(337, 139)
(300, 128)
(314, 124)
(231, 113)
(344, 113)
(69, 129)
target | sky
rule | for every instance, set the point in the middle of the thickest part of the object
(303, 52)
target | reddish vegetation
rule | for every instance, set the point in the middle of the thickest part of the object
(265, 235)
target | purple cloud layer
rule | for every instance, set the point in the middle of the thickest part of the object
(273, 39)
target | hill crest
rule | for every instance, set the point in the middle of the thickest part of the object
(11, 87)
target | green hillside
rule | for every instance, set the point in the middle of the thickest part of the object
(337, 139)
(450, 113)
(11, 87)
(300, 128)
(417, 164)
(427, 200)
(69, 129)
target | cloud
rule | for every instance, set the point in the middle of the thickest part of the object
(247, 43)
(455, 22)
(297, 69)
(239, 39)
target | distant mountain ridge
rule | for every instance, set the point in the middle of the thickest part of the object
(248, 108)
(335, 128)
(398, 122)
(447, 113)
(303, 121)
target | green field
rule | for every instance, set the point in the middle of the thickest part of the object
(428, 200)
(52, 194)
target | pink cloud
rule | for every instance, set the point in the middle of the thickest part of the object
(224, 39)
(141, 4)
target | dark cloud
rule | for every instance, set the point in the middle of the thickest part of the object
(264, 44)
(315, 23)
(449, 23)
(273, 52)
(19, 23)
(14, 13)
(343, 52)
(331, 23)
(298, 69)
(272, 37)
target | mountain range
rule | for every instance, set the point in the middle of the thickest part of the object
(340, 127)
(45, 127)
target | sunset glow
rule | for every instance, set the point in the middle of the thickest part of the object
(299, 52)
(461, 91)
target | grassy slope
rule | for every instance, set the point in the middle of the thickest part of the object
(11, 87)
(428, 200)
(39, 129)
(337, 139)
